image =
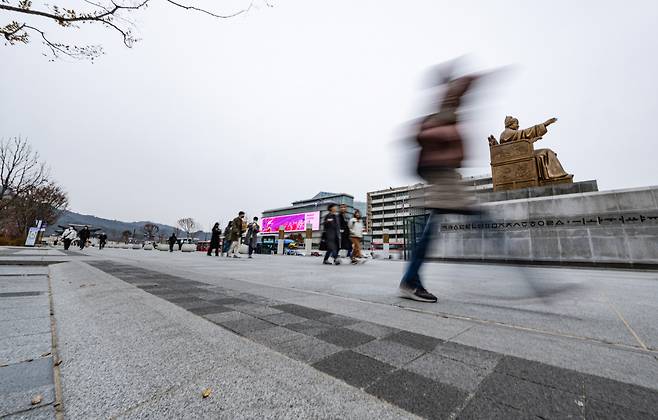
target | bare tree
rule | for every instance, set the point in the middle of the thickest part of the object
(125, 236)
(110, 14)
(20, 169)
(188, 225)
(44, 202)
(150, 230)
(26, 193)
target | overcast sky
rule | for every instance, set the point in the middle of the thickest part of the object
(206, 117)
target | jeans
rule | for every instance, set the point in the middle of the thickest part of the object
(411, 278)
(331, 253)
(251, 249)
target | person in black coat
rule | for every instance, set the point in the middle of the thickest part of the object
(84, 236)
(214, 240)
(331, 234)
(172, 242)
(102, 240)
(343, 220)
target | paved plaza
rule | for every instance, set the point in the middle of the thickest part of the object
(134, 334)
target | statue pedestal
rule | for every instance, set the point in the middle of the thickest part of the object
(514, 166)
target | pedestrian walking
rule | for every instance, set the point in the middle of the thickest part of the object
(172, 241)
(252, 235)
(331, 235)
(102, 240)
(226, 245)
(236, 234)
(441, 153)
(344, 239)
(214, 240)
(68, 236)
(356, 235)
(83, 236)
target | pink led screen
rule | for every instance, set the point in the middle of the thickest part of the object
(291, 222)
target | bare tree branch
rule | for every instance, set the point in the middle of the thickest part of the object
(109, 15)
(182, 6)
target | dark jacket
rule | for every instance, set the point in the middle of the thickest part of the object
(172, 240)
(331, 234)
(102, 237)
(236, 229)
(214, 238)
(83, 234)
(343, 221)
(252, 234)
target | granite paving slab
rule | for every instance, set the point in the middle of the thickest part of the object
(485, 408)
(419, 395)
(449, 371)
(532, 398)
(418, 341)
(307, 349)
(390, 352)
(354, 368)
(344, 337)
(310, 327)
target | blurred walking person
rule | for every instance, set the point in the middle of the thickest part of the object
(251, 238)
(226, 245)
(68, 236)
(102, 240)
(441, 153)
(214, 240)
(236, 234)
(356, 236)
(331, 235)
(172, 241)
(83, 236)
(345, 243)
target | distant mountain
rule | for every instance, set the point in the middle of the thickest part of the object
(114, 228)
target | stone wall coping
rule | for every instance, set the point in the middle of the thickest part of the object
(653, 188)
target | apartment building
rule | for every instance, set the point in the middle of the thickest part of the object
(387, 210)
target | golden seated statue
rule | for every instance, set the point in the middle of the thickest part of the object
(516, 164)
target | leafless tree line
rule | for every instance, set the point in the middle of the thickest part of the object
(27, 192)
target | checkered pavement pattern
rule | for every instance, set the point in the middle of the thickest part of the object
(423, 375)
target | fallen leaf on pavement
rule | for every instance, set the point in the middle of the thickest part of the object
(37, 399)
(206, 393)
(46, 354)
(59, 362)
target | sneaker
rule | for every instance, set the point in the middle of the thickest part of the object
(326, 262)
(420, 294)
(337, 261)
(235, 256)
(250, 256)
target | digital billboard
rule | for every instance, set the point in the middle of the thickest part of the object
(291, 222)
